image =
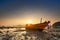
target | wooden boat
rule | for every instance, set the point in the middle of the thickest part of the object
(39, 26)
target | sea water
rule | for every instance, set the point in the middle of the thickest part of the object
(17, 34)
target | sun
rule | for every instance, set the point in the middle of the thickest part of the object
(29, 21)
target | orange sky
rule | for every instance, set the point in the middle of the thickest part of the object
(33, 15)
(17, 21)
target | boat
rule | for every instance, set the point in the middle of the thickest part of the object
(39, 26)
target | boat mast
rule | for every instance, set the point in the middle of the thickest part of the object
(41, 20)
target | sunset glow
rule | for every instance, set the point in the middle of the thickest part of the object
(29, 22)
(28, 12)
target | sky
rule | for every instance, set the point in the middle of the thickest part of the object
(14, 12)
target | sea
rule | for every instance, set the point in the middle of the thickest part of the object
(23, 34)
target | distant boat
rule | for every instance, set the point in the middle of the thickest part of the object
(40, 26)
